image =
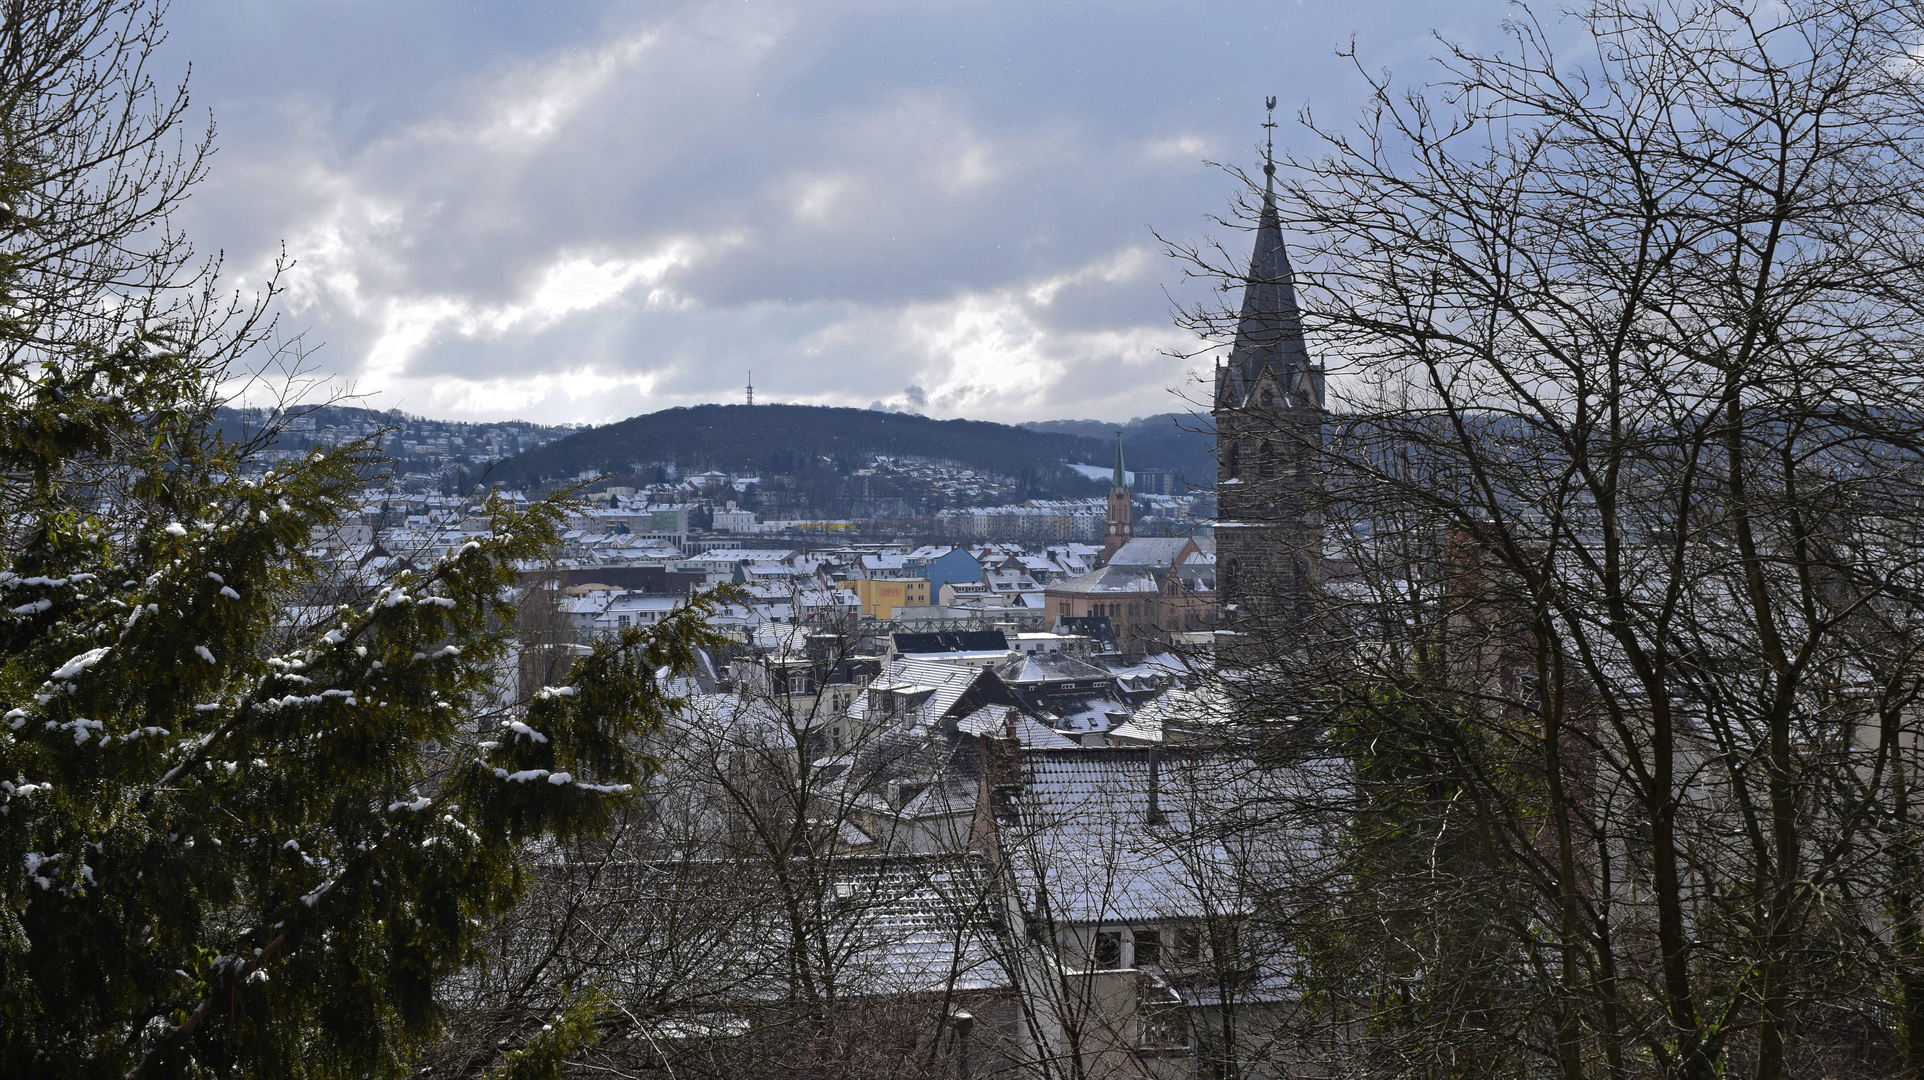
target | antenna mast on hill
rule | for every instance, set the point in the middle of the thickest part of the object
(751, 387)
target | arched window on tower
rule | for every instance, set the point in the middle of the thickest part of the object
(1235, 461)
(1266, 460)
(1269, 397)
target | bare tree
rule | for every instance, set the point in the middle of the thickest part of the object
(1622, 470)
(764, 910)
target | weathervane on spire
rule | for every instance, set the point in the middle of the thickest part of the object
(1269, 137)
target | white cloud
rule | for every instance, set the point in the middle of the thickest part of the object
(571, 285)
(821, 200)
(995, 353)
(530, 393)
(538, 100)
(1183, 147)
(1124, 265)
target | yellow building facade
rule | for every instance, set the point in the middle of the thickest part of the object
(881, 596)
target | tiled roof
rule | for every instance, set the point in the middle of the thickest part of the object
(1082, 834)
(914, 924)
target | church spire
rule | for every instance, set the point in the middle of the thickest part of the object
(1269, 329)
(1121, 524)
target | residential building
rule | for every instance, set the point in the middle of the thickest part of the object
(880, 597)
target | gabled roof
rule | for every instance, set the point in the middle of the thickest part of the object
(948, 795)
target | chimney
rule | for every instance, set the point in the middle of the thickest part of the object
(1155, 785)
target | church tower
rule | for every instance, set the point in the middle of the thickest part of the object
(1269, 428)
(1122, 513)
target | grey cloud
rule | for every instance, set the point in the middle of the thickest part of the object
(593, 212)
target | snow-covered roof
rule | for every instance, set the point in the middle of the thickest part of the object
(917, 691)
(1081, 834)
(1003, 721)
(1053, 667)
(1161, 552)
(1109, 580)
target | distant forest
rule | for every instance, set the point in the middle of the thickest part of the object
(1183, 443)
(773, 440)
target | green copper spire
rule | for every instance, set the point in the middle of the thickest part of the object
(1121, 479)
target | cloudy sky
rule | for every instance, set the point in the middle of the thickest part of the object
(576, 212)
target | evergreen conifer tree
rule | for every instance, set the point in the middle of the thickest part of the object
(233, 842)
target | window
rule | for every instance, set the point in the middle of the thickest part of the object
(1108, 950)
(1235, 461)
(1269, 397)
(1003, 804)
(1148, 946)
(1266, 460)
(1187, 948)
(1165, 1022)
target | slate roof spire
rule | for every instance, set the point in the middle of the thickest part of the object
(1121, 478)
(1269, 330)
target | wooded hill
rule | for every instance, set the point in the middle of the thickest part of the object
(775, 440)
(1183, 443)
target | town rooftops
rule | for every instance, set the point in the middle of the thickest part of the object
(1117, 836)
